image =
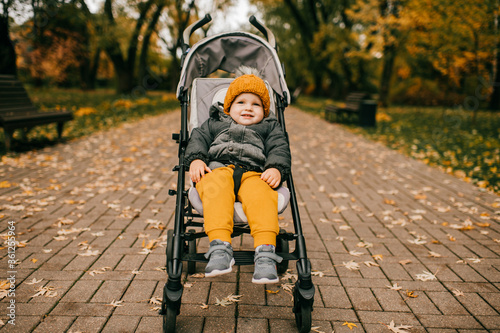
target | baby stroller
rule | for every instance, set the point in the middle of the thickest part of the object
(227, 52)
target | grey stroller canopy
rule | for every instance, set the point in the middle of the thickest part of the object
(229, 51)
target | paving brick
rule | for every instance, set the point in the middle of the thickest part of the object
(110, 291)
(445, 321)
(155, 324)
(217, 325)
(88, 324)
(446, 303)
(334, 297)
(489, 322)
(82, 291)
(467, 273)
(22, 324)
(251, 325)
(54, 324)
(390, 300)
(376, 317)
(421, 304)
(122, 324)
(476, 305)
(139, 291)
(363, 299)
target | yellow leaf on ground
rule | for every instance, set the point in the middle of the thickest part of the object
(350, 325)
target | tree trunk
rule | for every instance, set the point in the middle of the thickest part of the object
(495, 95)
(145, 44)
(385, 80)
(7, 52)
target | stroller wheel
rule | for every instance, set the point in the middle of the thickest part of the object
(192, 251)
(169, 319)
(282, 246)
(302, 311)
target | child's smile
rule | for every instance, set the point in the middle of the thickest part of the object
(247, 109)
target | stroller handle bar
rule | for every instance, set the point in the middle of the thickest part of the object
(192, 28)
(265, 31)
(207, 18)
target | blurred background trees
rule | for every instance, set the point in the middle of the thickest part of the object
(439, 52)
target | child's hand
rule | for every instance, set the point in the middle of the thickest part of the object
(272, 177)
(197, 170)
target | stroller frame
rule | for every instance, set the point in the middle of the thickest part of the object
(181, 242)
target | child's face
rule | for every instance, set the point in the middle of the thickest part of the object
(247, 109)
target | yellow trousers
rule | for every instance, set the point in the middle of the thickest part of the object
(259, 201)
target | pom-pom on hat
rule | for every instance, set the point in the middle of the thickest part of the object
(247, 84)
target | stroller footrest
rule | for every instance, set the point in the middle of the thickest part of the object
(240, 257)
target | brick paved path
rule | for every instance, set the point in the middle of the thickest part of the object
(90, 217)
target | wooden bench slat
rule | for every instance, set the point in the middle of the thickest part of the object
(17, 110)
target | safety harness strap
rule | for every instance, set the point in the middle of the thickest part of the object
(238, 173)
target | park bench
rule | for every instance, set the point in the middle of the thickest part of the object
(357, 106)
(17, 110)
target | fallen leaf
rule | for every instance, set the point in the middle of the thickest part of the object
(426, 276)
(474, 260)
(434, 254)
(405, 262)
(34, 281)
(355, 253)
(198, 275)
(350, 325)
(204, 306)
(316, 329)
(457, 292)
(317, 273)
(378, 257)
(272, 291)
(411, 294)
(136, 272)
(224, 302)
(398, 329)
(115, 304)
(351, 265)
(389, 202)
(365, 245)
(371, 264)
(155, 300)
(395, 286)
(45, 291)
(145, 251)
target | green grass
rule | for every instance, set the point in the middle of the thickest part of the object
(93, 111)
(449, 138)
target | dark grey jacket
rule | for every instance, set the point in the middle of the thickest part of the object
(220, 141)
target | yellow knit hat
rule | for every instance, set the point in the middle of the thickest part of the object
(247, 84)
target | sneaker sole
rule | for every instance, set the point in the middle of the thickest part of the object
(217, 272)
(265, 281)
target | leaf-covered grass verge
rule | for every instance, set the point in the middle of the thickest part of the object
(449, 138)
(93, 111)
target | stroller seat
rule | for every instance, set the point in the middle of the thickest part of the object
(239, 214)
(204, 93)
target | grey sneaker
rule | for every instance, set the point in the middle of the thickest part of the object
(220, 257)
(265, 265)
